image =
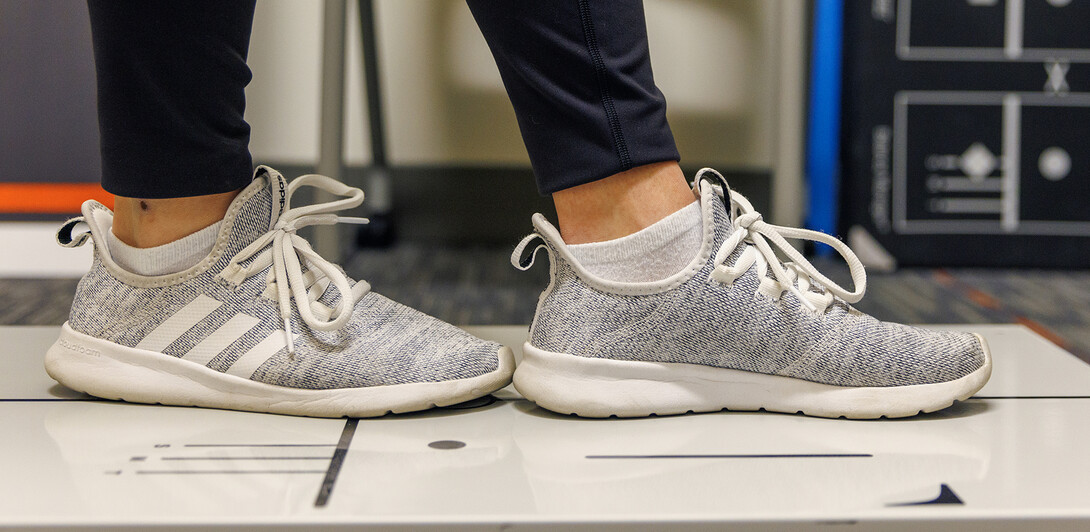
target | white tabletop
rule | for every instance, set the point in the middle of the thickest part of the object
(1012, 458)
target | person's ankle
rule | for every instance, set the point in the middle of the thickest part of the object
(146, 223)
(621, 204)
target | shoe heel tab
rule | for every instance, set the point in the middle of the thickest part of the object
(65, 234)
(65, 237)
(545, 236)
(524, 261)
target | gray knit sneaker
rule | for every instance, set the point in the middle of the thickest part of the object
(737, 329)
(262, 324)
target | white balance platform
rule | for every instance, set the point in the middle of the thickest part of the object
(1013, 458)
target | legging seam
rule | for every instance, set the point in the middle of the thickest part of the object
(603, 85)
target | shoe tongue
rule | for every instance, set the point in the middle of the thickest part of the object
(720, 213)
(278, 190)
(257, 208)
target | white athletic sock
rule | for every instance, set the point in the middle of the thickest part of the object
(168, 258)
(650, 254)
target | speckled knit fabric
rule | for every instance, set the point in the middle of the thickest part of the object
(384, 343)
(700, 321)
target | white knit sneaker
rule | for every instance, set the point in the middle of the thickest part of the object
(737, 329)
(262, 323)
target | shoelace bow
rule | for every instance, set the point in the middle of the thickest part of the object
(750, 228)
(284, 256)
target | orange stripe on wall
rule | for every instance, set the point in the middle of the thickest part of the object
(50, 198)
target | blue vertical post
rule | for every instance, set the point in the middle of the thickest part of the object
(823, 128)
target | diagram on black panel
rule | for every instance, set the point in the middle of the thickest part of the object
(992, 30)
(966, 127)
(989, 162)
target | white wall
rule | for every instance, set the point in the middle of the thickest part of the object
(445, 102)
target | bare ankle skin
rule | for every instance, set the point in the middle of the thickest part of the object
(146, 223)
(621, 204)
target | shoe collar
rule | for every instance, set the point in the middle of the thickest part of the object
(99, 219)
(709, 186)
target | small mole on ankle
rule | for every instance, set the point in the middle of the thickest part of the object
(143, 205)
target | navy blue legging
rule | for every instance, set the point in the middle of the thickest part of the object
(171, 77)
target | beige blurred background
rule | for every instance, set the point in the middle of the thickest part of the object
(732, 72)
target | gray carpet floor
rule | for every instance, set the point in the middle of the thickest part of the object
(477, 286)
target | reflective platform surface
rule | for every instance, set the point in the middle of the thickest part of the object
(1012, 458)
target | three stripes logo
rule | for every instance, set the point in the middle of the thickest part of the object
(218, 340)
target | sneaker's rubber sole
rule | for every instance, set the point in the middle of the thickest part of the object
(592, 387)
(112, 371)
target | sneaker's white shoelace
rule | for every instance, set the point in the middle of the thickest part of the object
(289, 250)
(797, 276)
